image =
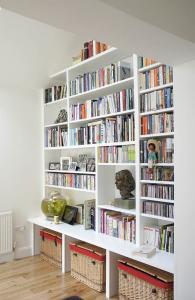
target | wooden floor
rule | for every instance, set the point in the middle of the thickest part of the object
(33, 279)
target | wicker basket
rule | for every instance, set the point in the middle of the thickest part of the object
(88, 265)
(51, 247)
(140, 282)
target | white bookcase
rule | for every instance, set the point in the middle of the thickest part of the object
(105, 184)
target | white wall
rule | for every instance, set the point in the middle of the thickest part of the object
(184, 82)
(20, 158)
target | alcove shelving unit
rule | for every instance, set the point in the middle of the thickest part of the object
(105, 190)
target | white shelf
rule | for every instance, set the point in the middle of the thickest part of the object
(150, 67)
(114, 208)
(103, 90)
(55, 102)
(69, 188)
(157, 217)
(158, 164)
(156, 88)
(164, 134)
(117, 164)
(159, 111)
(70, 172)
(157, 182)
(161, 259)
(91, 145)
(56, 125)
(157, 199)
(102, 117)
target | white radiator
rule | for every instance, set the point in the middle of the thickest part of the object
(6, 232)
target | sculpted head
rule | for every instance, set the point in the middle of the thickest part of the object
(125, 183)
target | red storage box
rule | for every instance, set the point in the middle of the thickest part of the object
(139, 281)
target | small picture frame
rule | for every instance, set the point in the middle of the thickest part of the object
(73, 166)
(70, 215)
(83, 167)
(65, 163)
(91, 165)
(54, 166)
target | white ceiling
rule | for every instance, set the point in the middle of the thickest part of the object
(175, 16)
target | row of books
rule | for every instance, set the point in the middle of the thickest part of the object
(89, 49)
(56, 137)
(71, 180)
(158, 76)
(157, 191)
(116, 154)
(55, 93)
(156, 100)
(86, 214)
(165, 151)
(159, 123)
(145, 61)
(161, 237)
(110, 130)
(117, 102)
(158, 209)
(118, 225)
(159, 174)
(103, 76)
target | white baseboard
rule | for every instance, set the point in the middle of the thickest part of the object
(22, 252)
(6, 257)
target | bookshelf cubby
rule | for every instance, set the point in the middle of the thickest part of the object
(118, 158)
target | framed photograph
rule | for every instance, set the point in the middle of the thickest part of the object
(83, 167)
(54, 166)
(65, 163)
(70, 214)
(91, 165)
(73, 166)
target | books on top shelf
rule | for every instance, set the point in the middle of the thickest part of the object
(116, 102)
(145, 61)
(159, 174)
(165, 153)
(161, 237)
(158, 209)
(156, 77)
(160, 123)
(101, 77)
(157, 191)
(156, 100)
(56, 137)
(116, 154)
(118, 225)
(60, 91)
(109, 130)
(71, 180)
(48, 95)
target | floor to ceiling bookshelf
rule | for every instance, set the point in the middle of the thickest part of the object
(105, 190)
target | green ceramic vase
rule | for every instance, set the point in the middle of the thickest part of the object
(54, 206)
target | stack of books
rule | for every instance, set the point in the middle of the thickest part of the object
(60, 92)
(110, 130)
(118, 225)
(56, 137)
(71, 180)
(116, 154)
(158, 209)
(157, 191)
(155, 77)
(156, 100)
(145, 61)
(160, 123)
(159, 174)
(110, 104)
(161, 237)
(103, 76)
(165, 153)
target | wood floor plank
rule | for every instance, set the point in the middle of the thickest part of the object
(34, 279)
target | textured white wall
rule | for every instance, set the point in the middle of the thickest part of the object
(20, 159)
(184, 79)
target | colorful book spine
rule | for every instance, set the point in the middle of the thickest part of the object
(56, 137)
(156, 100)
(160, 123)
(156, 77)
(116, 154)
(145, 61)
(158, 209)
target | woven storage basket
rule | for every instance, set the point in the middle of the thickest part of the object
(88, 265)
(140, 282)
(51, 247)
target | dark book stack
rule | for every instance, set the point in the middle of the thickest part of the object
(48, 95)
(156, 100)
(155, 77)
(158, 209)
(159, 174)
(160, 123)
(110, 130)
(157, 191)
(165, 152)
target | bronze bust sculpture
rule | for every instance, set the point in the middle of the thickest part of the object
(125, 183)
